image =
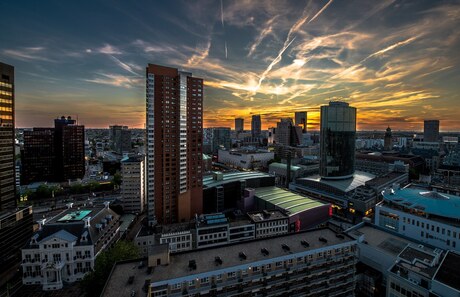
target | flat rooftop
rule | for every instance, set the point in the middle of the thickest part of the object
(382, 240)
(73, 216)
(267, 215)
(283, 166)
(448, 271)
(440, 204)
(291, 202)
(345, 185)
(416, 261)
(205, 259)
(209, 181)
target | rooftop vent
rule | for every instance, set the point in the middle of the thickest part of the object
(340, 236)
(322, 239)
(305, 243)
(192, 265)
(264, 252)
(285, 247)
(242, 256)
(218, 260)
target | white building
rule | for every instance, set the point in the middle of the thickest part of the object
(64, 249)
(426, 216)
(245, 158)
(269, 223)
(132, 187)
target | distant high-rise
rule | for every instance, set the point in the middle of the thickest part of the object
(301, 120)
(337, 140)
(54, 154)
(287, 133)
(239, 125)
(431, 131)
(120, 139)
(174, 118)
(256, 126)
(388, 140)
(7, 137)
(220, 138)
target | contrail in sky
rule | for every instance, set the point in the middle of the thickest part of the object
(320, 11)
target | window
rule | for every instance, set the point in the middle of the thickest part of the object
(204, 280)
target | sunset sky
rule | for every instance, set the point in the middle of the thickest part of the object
(396, 61)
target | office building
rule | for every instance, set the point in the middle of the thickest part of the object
(249, 158)
(313, 263)
(132, 186)
(239, 125)
(301, 120)
(7, 137)
(427, 216)
(16, 228)
(220, 139)
(54, 154)
(38, 156)
(388, 140)
(431, 130)
(120, 139)
(174, 117)
(256, 126)
(337, 146)
(287, 133)
(64, 249)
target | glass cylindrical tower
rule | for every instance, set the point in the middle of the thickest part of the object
(338, 132)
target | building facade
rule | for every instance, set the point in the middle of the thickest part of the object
(246, 159)
(120, 139)
(132, 186)
(38, 156)
(314, 263)
(7, 137)
(337, 140)
(65, 249)
(174, 117)
(388, 140)
(431, 130)
(16, 227)
(426, 216)
(287, 133)
(256, 126)
(301, 120)
(239, 125)
(220, 139)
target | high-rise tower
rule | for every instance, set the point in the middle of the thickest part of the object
(431, 130)
(256, 126)
(337, 136)
(174, 120)
(7, 136)
(301, 120)
(388, 140)
(239, 125)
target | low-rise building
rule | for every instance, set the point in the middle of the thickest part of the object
(249, 158)
(65, 248)
(427, 216)
(313, 263)
(269, 223)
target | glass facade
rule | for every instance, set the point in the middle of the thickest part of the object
(7, 167)
(338, 133)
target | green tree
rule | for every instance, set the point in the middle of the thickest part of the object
(117, 179)
(93, 282)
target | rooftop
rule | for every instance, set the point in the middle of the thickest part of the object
(448, 271)
(266, 215)
(291, 202)
(440, 204)
(283, 166)
(381, 180)
(416, 260)
(209, 181)
(178, 267)
(76, 215)
(384, 241)
(345, 185)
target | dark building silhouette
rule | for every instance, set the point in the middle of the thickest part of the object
(337, 135)
(388, 140)
(120, 139)
(239, 125)
(256, 126)
(174, 117)
(54, 154)
(431, 130)
(287, 133)
(7, 137)
(301, 120)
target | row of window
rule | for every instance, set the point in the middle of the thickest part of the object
(429, 226)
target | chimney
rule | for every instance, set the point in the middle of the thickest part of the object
(69, 205)
(41, 223)
(87, 221)
(106, 204)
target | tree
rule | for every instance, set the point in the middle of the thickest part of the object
(93, 282)
(117, 179)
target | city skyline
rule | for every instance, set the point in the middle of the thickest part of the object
(395, 61)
